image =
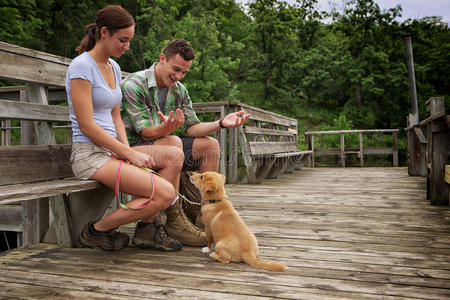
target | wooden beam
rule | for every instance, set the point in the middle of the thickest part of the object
(31, 66)
(15, 110)
(264, 148)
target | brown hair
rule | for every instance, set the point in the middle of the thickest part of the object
(181, 47)
(113, 17)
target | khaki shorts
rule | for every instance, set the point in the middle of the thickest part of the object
(87, 158)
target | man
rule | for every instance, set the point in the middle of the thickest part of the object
(155, 104)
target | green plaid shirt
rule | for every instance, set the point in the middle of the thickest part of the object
(140, 103)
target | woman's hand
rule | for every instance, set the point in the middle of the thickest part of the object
(141, 160)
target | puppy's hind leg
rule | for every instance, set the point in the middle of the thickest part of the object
(221, 255)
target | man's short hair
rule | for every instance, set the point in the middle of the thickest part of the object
(181, 47)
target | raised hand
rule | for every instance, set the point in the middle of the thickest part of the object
(173, 121)
(235, 119)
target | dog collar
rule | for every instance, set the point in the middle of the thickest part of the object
(212, 201)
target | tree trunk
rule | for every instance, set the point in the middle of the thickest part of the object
(358, 88)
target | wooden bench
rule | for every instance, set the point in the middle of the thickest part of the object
(33, 174)
(269, 145)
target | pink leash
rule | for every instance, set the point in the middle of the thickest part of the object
(117, 189)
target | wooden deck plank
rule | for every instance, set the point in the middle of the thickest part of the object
(345, 233)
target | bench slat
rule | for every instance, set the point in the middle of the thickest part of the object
(265, 148)
(20, 164)
(267, 131)
(30, 191)
(290, 154)
(15, 110)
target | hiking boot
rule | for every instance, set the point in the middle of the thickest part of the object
(190, 191)
(181, 228)
(111, 240)
(153, 235)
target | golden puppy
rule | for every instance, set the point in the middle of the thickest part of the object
(229, 239)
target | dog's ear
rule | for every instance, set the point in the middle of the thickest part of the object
(211, 186)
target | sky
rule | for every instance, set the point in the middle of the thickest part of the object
(411, 9)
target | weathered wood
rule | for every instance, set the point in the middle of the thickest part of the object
(265, 148)
(35, 220)
(29, 191)
(26, 65)
(11, 216)
(267, 131)
(349, 237)
(447, 174)
(34, 163)
(15, 110)
(417, 145)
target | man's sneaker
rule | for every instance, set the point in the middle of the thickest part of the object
(110, 240)
(153, 235)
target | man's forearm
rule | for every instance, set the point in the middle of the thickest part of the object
(154, 132)
(203, 129)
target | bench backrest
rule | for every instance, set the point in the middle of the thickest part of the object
(269, 133)
(32, 163)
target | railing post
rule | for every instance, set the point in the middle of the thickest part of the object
(233, 151)
(395, 149)
(342, 150)
(361, 150)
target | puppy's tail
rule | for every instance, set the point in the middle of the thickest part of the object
(269, 265)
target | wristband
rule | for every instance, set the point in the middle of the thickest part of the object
(221, 124)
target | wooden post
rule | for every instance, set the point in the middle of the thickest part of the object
(395, 149)
(233, 151)
(342, 150)
(36, 216)
(222, 139)
(361, 150)
(439, 190)
(417, 144)
(310, 143)
(27, 132)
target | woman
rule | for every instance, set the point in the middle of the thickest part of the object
(99, 139)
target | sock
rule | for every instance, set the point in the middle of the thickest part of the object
(174, 201)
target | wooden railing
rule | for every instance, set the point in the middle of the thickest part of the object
(342, 152)
(429, 150)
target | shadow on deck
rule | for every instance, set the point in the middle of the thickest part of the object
(345, 233)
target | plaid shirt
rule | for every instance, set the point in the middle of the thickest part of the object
(140, 103)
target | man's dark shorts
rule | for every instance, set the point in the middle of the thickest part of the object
(189, 163)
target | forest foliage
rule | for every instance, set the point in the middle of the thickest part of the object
(288, 58)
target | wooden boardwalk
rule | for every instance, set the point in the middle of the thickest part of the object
(345, 233)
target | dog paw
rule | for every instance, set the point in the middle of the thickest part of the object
(206, 250)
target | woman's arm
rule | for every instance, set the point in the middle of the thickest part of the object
(120, 127)
(81, 92)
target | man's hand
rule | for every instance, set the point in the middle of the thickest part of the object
(235, 119)
(173, 121)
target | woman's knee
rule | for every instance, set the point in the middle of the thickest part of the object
(165, 193)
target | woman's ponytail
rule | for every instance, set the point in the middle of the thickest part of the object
(91, 35)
